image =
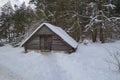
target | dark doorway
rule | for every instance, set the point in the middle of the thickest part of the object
(45, 42)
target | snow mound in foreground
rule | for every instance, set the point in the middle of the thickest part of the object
(89, 62)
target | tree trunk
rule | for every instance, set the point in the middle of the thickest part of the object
(102, 38)
(94, 35)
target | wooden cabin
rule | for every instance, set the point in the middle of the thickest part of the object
(48, 37)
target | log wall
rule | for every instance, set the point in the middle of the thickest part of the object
(57, 44)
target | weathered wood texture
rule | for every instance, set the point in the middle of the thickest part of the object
(56, 43)
(59, 44)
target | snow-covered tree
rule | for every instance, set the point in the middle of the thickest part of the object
(23, 18)
(98, 20)
(6, 21)
(100, 12)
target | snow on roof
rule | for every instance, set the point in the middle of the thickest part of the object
(59, 31)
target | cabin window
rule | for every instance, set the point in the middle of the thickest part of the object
(45, 42)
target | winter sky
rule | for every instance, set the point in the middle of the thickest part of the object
(2, 2)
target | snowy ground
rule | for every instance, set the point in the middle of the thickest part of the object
(90, 62)
(6, 74)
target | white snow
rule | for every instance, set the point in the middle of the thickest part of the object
(115, 18)
(110, 5)
(89, 62)
(12, 2)
(59, 31)
(6, 74)
(2, 2)
(98, 21)
(26, 1)
(92, 4)
(17, 2)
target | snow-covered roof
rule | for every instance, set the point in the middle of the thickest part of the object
(59, 31)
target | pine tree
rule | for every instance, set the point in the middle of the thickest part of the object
(6, 21)
(23, 19)
(78, 17)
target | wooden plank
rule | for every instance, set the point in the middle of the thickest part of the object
(44, 30)
(33, 47)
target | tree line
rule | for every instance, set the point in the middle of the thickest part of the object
(98, 20)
